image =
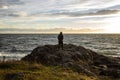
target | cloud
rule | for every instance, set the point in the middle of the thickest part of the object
(83, 14)
(11, 13)
(18, 14)
(53, 30)
(117, 7)
(68, 30)
(4, 7)
(93, 13)
(101, 12)
(10, 5)
(7, 8)
(56, 7)
(10, 2)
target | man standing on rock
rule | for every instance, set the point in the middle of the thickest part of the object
(60, 40)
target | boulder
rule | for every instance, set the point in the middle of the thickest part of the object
(50, 53)
(115, 73)
(78, 58)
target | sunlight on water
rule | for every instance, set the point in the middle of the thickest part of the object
(107, 44)
(12, 56)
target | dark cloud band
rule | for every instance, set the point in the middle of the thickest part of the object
(10, 2)
(78, 14)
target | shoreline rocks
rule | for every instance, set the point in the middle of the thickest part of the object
(78, 58)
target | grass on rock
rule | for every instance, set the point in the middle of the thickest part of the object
(20, 70)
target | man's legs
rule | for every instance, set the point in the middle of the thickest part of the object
(60, 45)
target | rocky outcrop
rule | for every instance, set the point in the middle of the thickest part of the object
(78, 58)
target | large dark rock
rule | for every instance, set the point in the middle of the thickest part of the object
(50, 54)
(115, 73)
(77, 57)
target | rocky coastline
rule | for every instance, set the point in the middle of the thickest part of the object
(78, 58)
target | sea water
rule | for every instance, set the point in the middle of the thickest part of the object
(16, 46)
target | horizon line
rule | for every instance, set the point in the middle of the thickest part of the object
(64, 33)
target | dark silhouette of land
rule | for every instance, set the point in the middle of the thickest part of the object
(78, 58)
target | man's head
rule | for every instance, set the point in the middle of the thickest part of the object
(60, 32)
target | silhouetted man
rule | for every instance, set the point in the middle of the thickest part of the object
(60, 40)
(4, 58)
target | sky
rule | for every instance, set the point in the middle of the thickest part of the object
(53, 16)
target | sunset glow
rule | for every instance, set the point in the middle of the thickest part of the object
(53, 16)
(114, 26)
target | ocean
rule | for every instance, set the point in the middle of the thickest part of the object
(16, 46)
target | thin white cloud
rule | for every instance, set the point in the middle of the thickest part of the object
(57, 13)
(56, 30)
(38, 7)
